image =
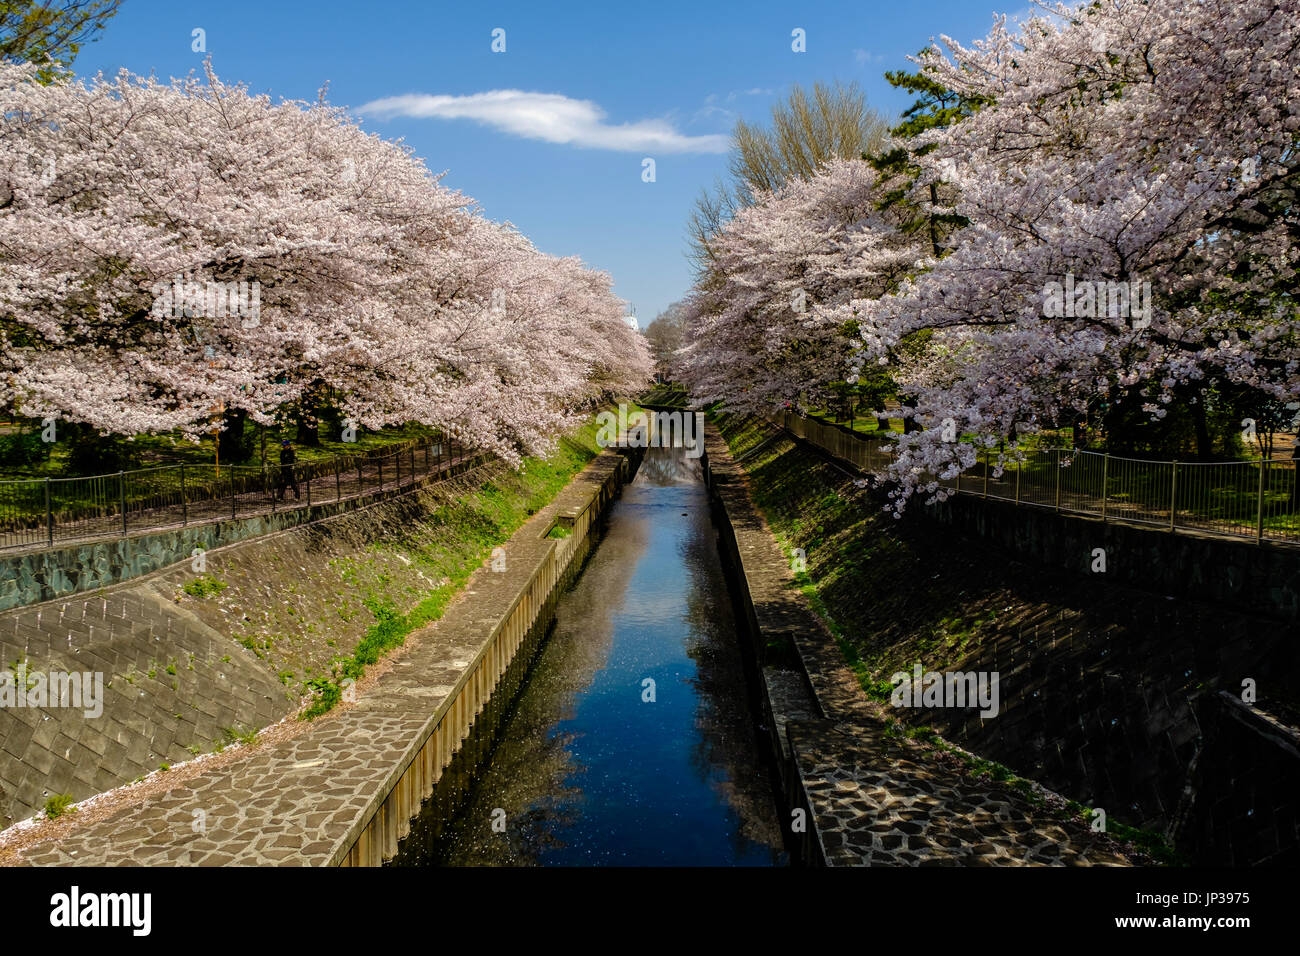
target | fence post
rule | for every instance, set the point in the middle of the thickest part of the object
(234, 500)
(397, 463)
(380, 459)
(185, 506)
(412, 450)
(1259, 510)
(361, 480)
(1173, 498)
(1019, 466)
(986, 472)
(121, 498)
(307, 482)
(1058, 479)
(338, 481)
(49, 514)
(1105, 475)
(275, 491)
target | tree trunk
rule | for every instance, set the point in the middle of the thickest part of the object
(231, 444)
(909, 423)
(308, 425)
(1204, 448)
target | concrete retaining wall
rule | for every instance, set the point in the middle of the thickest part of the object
(855, 791)
(1256, 579)
(344, 791)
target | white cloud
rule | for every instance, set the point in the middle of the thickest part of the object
(550, 117)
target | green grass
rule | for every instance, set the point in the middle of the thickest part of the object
(666, 396)
(203, 586)
(864, 422)
(151, 451)
(854, 557)
(461, 536)
(59, 804)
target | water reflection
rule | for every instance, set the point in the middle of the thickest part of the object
(589, 773)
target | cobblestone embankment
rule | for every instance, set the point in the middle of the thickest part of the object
(871, 797)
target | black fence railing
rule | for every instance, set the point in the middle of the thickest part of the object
(1257, 499)
(36, 513)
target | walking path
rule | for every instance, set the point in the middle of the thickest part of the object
(877, 798)
(246, 492)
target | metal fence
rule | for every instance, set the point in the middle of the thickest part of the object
(1257, 499)
(43, 512)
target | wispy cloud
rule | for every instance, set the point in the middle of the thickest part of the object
(550, 117)
(712, 107)
(864, 57)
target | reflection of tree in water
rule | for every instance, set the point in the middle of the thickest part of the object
(532, 774)
(726, 753)
(668, 466)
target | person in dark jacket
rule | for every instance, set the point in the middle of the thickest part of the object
(287, 477)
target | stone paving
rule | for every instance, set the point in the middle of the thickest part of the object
(876, 804)
(303, 801)
(876, 799)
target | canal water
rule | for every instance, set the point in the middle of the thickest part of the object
(632, 741)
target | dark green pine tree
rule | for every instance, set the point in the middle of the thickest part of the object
(935, 107)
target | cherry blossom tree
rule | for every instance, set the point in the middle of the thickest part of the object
(1127, 147)
(1124, 196)
(336, 257)
(774, 324)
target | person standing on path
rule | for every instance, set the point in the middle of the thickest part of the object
(287, 478)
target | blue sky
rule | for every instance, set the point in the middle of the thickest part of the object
(598, 87)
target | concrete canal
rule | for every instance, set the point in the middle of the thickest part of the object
(631, 739)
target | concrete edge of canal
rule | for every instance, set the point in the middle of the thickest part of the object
(538, 569)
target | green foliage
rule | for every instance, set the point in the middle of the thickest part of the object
(934, 108)
(23, 448)
(1203, 422)
(50, 33)
(59, 804)
(233, 735)
(203, 586)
